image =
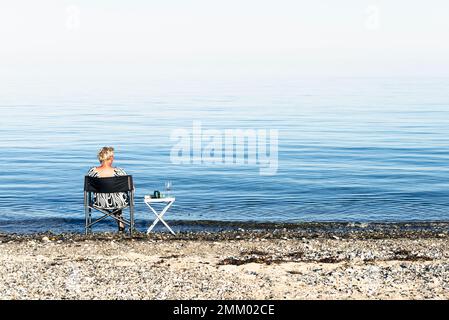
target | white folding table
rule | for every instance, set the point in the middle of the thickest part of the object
(159, 216)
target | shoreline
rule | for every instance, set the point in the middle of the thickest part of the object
(406, 262)
(248, 230)
(345, 229)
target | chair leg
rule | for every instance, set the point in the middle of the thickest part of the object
(131, 213)
(87, 221)
(90, 220)
(131, 228)
(90, 214)
(85, 214)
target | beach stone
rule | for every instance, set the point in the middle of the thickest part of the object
(354, 267)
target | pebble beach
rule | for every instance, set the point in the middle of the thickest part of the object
(308, 263)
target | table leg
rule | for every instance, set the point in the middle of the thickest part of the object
(159, 217)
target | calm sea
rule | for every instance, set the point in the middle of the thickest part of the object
(354, 150)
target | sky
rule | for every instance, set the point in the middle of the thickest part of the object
(207, 39)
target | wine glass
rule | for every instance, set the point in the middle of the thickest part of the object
(168, 188)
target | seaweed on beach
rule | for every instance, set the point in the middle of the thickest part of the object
(172, 256)
(331, 260)
(296, 255)
(406, 255)
(294, 272)
(270, 259)
(257, 256)
(240, 261)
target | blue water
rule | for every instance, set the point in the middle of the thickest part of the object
(349, 150)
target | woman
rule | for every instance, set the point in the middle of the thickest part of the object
(109, 201)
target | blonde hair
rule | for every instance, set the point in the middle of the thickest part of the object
(105, 154)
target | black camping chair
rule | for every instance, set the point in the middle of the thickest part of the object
(108, 185)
